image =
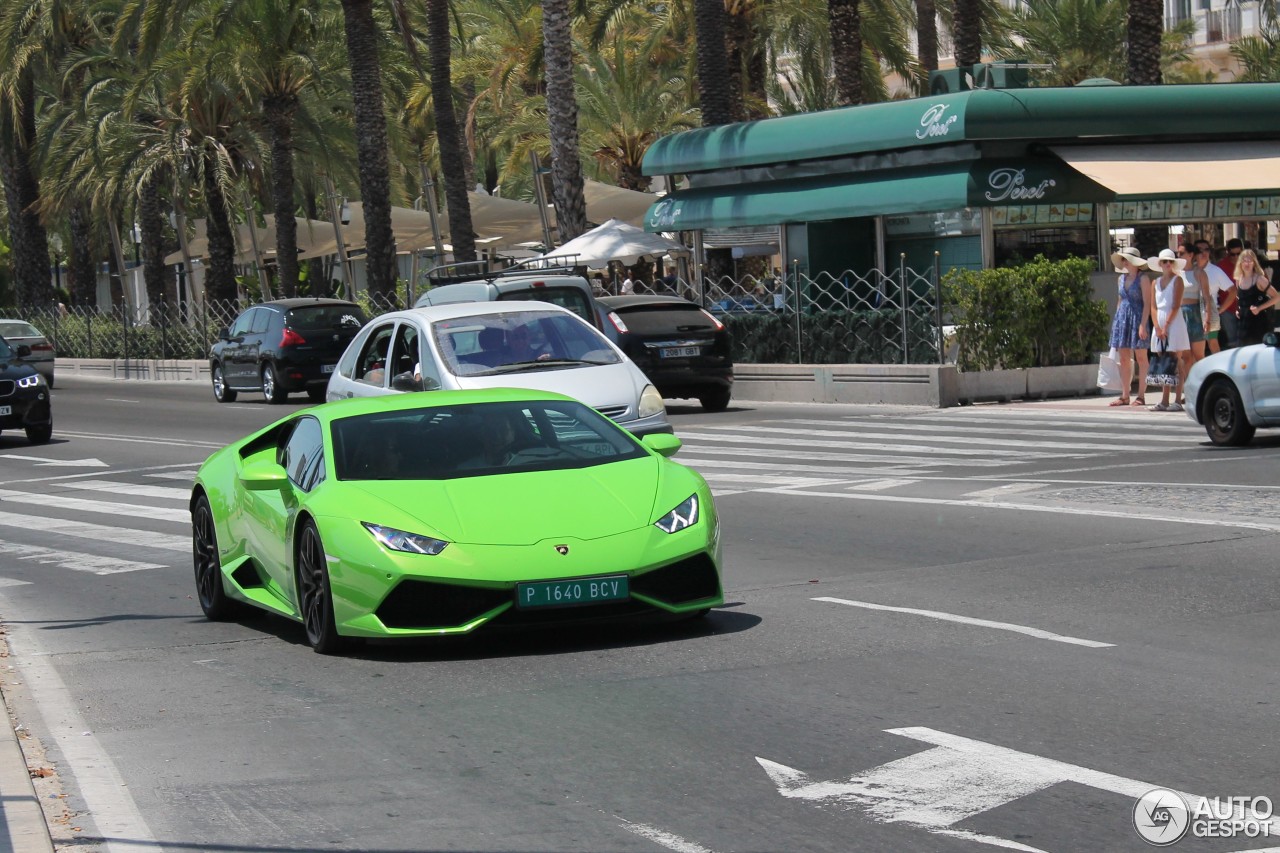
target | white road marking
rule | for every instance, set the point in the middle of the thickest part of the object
(662, 838)
(1046, 429)
(73, 560)
(107, 798)
(181, 516)
(97, 532)
(767, 479)
(116, 473)
(879, 463)
(118, 400)
(1104, 512)
(969, 620)
(989, 440)
(1002, 491)
(879, 485)
(189, 476)
(955, 780)
(170, 442)
(898, 447)
(45, 462)
(141, 490)
(13, 582)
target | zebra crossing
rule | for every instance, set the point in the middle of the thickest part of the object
(876, 453)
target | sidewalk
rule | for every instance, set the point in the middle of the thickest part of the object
(22, 823)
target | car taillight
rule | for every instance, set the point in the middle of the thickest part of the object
(42, 348)
(617, 322)
(711, 317)
(539, 284)
(290, 338)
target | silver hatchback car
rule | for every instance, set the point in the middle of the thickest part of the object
(475, 345)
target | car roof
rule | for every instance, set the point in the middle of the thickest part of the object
(645, 299)
(16, 320)
(452, 310)
(355, 406)
(303, 302)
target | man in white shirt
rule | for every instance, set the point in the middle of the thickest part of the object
(628, 286)
(1219, 282)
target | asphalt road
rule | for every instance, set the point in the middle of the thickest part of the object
(982, 628)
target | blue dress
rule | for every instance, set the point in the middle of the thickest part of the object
(1128, 320)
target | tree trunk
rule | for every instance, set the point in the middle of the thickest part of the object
(371, 145)
(967, 25)
(151, 221)
(713, 65)
(845, 20)
(279, 111)
(1146, 25)
(220, 279)
(82, 272)
(562, 119)
(317, 284)
(927, 34)
(453, 155)
(737, 47)
(29, 250)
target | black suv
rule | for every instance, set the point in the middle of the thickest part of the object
(283, 346)
(681, 348)
(24, 395)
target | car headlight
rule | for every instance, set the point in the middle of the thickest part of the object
(410, 543)
(685, 515)
(650, 402)
(30, 381)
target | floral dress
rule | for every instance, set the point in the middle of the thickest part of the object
(1128, 321)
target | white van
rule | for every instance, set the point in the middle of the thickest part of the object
(540, 279)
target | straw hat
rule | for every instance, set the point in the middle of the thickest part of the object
(1130, 254)
(1179, 264)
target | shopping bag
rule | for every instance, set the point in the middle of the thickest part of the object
(1109, 371)
(1162, 371)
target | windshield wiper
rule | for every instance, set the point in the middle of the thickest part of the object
(515, 367)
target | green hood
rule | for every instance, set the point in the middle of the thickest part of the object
(522, 509)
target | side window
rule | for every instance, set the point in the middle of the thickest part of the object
(347, 365)
(404, 353)
(302, 456)
(263, 320)
(371, 367)
(244, 323)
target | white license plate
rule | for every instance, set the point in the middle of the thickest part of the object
(678, 352)
(327, 368)
(6, 410)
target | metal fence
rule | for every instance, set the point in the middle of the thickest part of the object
(874, 317)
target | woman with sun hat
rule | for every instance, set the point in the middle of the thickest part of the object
(1169, 329)
(1130, 330)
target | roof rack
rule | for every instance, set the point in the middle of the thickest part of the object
(462, 271)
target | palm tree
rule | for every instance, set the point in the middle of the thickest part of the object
(927, 34)
(1146, 25)
(846, 48)
(1259, 55)
(453, 157)
(713, 64)
(562, 120)
(363, 35)
(967, 27)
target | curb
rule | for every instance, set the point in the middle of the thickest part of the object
(23, 828)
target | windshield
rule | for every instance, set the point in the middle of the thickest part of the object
(572, 298)
(325, 317)
(492, 344)
(18, 330)
(666, 318)
(449, 442)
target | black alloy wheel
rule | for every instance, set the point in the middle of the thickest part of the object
(1223, 415)
(717, 400)
(204, 554)
(315, 597)
(271, 388)
(221, 392)
(40, 434)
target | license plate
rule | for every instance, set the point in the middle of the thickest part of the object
(678, 352)
(572, 592)
(327, 368)
(6, 410)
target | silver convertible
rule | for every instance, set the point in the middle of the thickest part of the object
(477, 345)
(1236, 391)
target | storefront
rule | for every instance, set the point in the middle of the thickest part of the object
(983, 178)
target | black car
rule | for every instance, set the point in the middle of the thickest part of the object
(681, 348)
(24, 395)
(283, 346)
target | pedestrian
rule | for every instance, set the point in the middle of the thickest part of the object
(1129, 329)
(1199, 310)
(628, 286)
(1222, 290)
(1169, 329)
(1255, 296)
(1228, 263)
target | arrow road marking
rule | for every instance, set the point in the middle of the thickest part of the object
(955, 780)
(58, 463)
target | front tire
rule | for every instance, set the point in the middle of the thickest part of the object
(717, 400)
(315, 596)
(1224, 417)
(40, 434)
(271, 388)
(221, 392)
(214, 601)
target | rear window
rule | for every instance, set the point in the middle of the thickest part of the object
(326, 317)
(18, 330)
(665, 319)
(571, 298)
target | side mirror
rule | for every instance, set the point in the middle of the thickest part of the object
(224, 334)
(662, 443)
(406, 382)
(263, 475)
(1269, 339)
(22, 351)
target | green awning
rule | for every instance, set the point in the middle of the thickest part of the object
(1036, 114)
(976, 183)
